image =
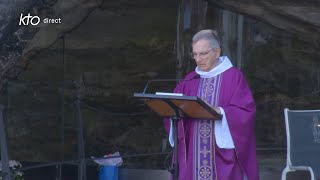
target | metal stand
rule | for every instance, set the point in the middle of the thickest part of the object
(175, 164)
(175, 119)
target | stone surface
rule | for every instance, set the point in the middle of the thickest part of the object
(111, 62)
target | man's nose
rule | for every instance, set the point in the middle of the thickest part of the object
(197, 58)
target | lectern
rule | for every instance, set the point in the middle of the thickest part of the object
(177, 107)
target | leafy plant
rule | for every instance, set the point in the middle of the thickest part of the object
(15, 175)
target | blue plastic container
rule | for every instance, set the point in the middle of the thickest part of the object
(108, 173)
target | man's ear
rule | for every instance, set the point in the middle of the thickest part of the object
(217, 52)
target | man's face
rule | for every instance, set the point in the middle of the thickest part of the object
(205, 57)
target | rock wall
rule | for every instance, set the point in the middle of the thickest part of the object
(110, 55)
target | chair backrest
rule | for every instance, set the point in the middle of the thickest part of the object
(303, 138)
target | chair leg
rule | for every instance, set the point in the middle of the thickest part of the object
(311, 173)
(284, 173)
(287, 169)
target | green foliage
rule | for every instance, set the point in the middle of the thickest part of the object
(14, 165)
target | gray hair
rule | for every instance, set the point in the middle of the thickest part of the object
(209, 35)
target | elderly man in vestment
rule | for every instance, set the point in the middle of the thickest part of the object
(222, 149)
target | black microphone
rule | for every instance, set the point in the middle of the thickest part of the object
(197, 76)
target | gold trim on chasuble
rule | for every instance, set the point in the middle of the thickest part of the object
(204, 166)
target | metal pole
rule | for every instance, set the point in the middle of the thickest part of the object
(81, 153)
(175, 161)
(4, 150)
(58, 172)
(175, 119)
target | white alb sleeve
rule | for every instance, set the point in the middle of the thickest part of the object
(222, 132)
(171, 138)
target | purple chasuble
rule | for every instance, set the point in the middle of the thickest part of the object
(199, 156)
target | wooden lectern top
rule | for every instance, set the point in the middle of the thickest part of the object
(188, 106)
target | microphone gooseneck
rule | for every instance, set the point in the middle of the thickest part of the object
(197, 76)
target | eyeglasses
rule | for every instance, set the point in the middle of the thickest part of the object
(201, 54)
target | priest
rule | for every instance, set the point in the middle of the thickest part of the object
(223, 149)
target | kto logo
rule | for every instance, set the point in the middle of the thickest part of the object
(25, 20)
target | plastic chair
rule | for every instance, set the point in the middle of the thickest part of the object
(303, 142)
